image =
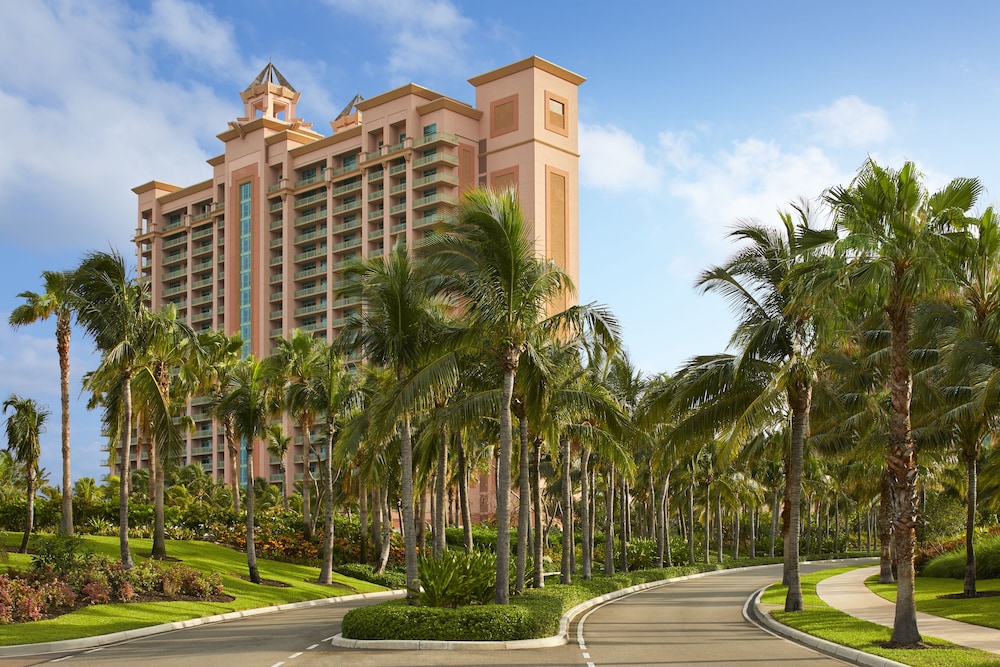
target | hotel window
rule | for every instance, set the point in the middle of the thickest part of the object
(350, 161)
(555, 113)
(430, 129)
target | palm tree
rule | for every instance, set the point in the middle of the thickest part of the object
(219, 356)
(24, 428)
(112, 310)
(506, 290)
(400, 326)
(277, 446)
(894, 239)
(252, 398)
(57, 299)
(774, 368)
(298, 358)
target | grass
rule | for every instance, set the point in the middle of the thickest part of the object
(205, 556)
(978, 611)
(821, 620)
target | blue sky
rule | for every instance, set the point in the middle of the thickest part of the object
(693, 116)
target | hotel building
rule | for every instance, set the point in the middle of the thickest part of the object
(258, 247)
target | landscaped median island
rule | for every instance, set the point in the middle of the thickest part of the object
(283, 583)
(535, 614)
(820, 620)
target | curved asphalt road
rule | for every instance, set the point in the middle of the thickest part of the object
(694, 622)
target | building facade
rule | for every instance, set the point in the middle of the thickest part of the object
(258, 247)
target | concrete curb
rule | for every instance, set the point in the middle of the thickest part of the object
(544, 642)
(18, 650)
(823, 646)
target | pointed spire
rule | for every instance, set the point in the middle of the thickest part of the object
(270, 74)
(350, 105)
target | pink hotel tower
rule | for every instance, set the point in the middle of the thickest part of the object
(258, 247)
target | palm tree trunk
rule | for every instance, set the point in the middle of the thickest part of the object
(363, 520)
(159, 521)
(523, 506)
(406, 490)
(502, 593)
(690, 523)
(971, 470)
(126, 472)
(463, 493)
(665, 523)
(234, 462)
(799, 402)
(440, 487)
(736, 533)
(587, 546)
(774, 521)
(624, 511)
(566, 577)
(307, 478)
(902, 466)
(718, 522)
(538, 577)
(251, 545)
(884, 522)
(326, 570)
(63, 331)
(29, 519)
(609, 521)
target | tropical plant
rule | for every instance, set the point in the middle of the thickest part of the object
(251, 399)
(894, 236)
(400, 327)
(23, 429)
(56, 300)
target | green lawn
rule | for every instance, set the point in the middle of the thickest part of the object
(820, 620)
(978, 611)
(205, 556)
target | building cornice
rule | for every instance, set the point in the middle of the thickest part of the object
(217, 161)
(155, 185)
(451, 105)
(529, 141)
(402, 91)
(528, 63)
(331, 140)
(185, 192)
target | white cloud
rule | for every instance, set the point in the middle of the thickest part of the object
(612, 159)
(848, 122)
(751, 179)
(193, 32)
(93, 119)
(425, 36)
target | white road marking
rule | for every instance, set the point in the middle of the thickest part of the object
(312, 647)
(277, 664)
(95, 650)
(586, 656)
(330, 638)
(294, 655)
(65, 657)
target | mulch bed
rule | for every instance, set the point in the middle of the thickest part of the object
(963, 596)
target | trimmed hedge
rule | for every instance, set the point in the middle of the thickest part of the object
(533, 615)
(393, 579)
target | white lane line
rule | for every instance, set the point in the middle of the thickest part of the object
(278, 664)
(330, 638)
(312, 647)
(65, 657)
(95, 650)
(294, 655)
(590, 664)
(586, 656)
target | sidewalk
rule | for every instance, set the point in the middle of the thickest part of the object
(847, 592)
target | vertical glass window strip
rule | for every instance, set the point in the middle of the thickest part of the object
(246, 210)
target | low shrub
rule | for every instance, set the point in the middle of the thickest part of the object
(951, 563)
(393, 579)
(457, 578)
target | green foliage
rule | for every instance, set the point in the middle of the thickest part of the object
(952, 563)
(62, 553)
(395, 620)
(457, 578)
(534, 614)
(393, 579)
